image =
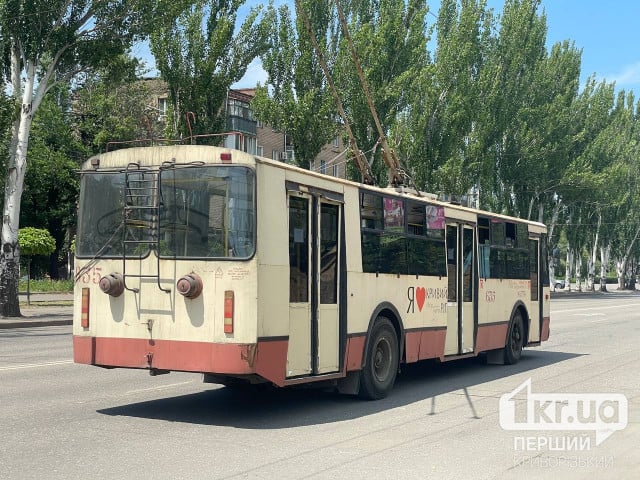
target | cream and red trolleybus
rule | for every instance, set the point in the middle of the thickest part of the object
(210, 260)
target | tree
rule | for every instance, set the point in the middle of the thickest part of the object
(446, 103)
(51, 181)
(296, 99)
(200, 56)
(113, 105)
(390, 38)
(45, 43)
(34, 241)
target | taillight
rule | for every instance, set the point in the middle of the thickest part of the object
(84, 317)
(228, 311)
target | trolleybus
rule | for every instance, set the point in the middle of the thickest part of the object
(211, 260)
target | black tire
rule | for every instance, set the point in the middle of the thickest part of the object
(381, 363)
(515, 340)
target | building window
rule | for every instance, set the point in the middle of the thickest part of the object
(162, 108)
(251, 145)
(336, 171)
(260, 151)
(240, 109)
(259, 123)
(323, 167)
(275, 155)
(336, 142)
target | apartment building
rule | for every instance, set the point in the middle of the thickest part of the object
(253, 136)
(272, 143)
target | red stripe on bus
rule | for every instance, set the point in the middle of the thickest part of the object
(424, 344)
(271, 360)
(432, 343)
(491, 336)
(412, 346)
(223, 358)
(355, 351)
(544, 334)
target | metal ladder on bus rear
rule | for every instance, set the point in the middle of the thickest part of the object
(141, 216)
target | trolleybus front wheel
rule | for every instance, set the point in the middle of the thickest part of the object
(381, 364)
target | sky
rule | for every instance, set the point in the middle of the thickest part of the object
(606, 32)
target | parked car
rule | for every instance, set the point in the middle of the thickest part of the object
(557, 284)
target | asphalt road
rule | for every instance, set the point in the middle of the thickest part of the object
(59, 420)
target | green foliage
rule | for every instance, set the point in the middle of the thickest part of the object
(296, 98)
(47, 286)
(109, 109)
(36, 241)
(200, 57)
(390, 38)
(51, 182)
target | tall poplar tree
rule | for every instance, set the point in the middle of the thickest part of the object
(296, 99)
(200, 55)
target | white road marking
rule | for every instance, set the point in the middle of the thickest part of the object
(160, 387)
(597, 308)
(35, 365)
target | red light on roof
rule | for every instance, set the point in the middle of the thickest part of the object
(225, 157)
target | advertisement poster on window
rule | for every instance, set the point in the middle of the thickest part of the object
(393, 215)
(435, 217)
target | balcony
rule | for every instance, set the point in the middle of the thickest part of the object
(239, 124)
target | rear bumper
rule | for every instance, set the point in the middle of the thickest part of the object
(222, 358)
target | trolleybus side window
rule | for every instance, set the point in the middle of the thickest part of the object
(329, 253)
(544, 265)
(384, 248)
(425, 240)
(298, 250)
(505, 252)
(401, 237)
(371, 218)
(533, 267)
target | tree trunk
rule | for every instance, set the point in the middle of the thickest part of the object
(567, 273)
(578, 258)
(9, 279)
(604, 262)
(591, 275)
(591, 271)
(14, 183)
(621, 270)
(621, 265)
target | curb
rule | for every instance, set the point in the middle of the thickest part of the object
(21, 323)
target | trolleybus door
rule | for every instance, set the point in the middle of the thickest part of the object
(327, 280)
(314, 265)
(461, 273)
(468, 274)
(536, 290)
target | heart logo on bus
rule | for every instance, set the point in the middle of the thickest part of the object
(421, 295)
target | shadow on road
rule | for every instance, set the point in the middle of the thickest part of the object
(253, 408)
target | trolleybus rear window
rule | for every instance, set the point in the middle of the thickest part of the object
(207, 212)
(204, 212)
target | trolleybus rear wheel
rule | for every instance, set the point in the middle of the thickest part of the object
(515, 339)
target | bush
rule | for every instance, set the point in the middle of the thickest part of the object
(47, 286)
